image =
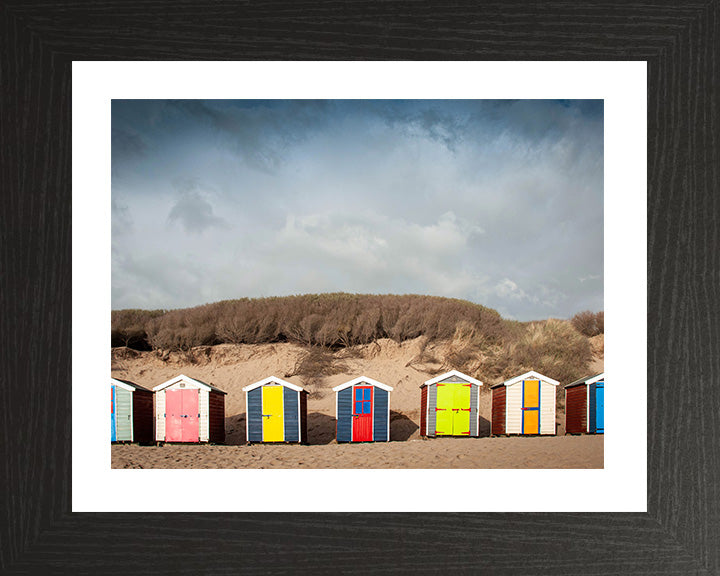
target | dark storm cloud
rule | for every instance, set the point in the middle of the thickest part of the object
(260, 133)
(192, 209)
(127, 144)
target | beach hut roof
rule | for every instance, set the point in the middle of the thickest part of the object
(182, 377)
(588, 380)
(127, 385)
(465, 377)
(275, 380)
(531, 374)
(362, 379)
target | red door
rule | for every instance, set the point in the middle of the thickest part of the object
(362, 414)
(182, 422)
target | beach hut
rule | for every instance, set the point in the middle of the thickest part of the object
(276, 411)
(585, 405)
(362, 411)
(131, 412)
(449, 405)
(524, 405)
(188, 410)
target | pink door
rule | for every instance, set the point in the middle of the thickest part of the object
(182, 422)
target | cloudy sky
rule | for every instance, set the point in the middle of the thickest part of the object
(496, 202)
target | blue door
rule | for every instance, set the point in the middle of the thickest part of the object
(600, 408)
(112, 414)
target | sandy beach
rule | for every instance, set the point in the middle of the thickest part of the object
(510, 452)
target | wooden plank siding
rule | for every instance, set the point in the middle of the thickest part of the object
(291, 416)
(548, 401)
(423, 410)
(254, 415)
(142, 416)
(204, 411)
(160, 416)
(123, 415)
(498, 411)
(381, 408)
(216, 417)
(513, 407)
(576, 410)
(343, 431)
(303, 416)
(431, 414)
(474, 410)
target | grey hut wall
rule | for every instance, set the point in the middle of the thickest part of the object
(254, 415)
(344, 415)
(432, 405)
(291, 402)
(592, 409)
(380, 415)
(474, 393)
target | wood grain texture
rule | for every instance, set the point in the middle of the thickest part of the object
(681, 532)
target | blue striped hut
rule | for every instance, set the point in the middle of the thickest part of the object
(276, 411)
(362, 411)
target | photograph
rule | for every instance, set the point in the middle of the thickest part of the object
(357, 284)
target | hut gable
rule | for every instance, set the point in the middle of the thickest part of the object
(453, 376)
(586, 381)
(531, 375)
(272, 380)
(192, 382)
(127, 385)
(363, 380)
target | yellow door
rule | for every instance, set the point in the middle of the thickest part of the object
(444, 410)
(272, 407)
(531, 407)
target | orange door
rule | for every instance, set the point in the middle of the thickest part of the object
(531, 407)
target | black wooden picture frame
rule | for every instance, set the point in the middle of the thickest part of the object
(680, 533)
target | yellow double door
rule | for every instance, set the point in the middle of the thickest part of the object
(453, 410)
(273, 414)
